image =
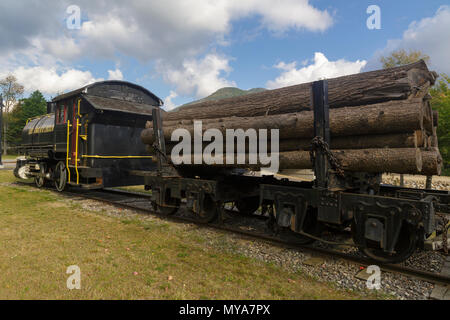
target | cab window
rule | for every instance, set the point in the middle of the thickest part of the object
(61, 114)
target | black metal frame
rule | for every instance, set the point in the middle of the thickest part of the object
(319, 94)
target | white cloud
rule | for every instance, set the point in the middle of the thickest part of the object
(174, 29)
(146, 30)
(200, 77)
(429, 35)
(115, 75)
(321, 68)
(173, 33)
(50, 80)
(287, 14)
(168, 103)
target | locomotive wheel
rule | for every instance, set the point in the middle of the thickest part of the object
(21, 173)
(210, 210)
(405, 247)
(60, 176)
(247, 205)
(39, 181)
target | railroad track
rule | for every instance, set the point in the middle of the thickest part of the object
(141, 202)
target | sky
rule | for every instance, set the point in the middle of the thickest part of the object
(183, 50)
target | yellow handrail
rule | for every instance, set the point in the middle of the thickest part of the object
(67, 155)
(76, 152)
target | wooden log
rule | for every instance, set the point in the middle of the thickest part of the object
(406, 160)
(435, 118)
(388, 117)
(421, 139)
(394, 140)
(432, 162)
(429, 141)
(434, 138)
(428, 117)
(353, 90)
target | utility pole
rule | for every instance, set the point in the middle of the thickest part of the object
(1, 130)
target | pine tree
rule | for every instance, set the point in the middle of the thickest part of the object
(34, 105)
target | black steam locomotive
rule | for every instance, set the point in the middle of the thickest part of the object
(89, 138)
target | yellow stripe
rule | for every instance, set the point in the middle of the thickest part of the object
(118, 157)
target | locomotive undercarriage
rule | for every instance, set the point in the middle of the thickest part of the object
(53, 170)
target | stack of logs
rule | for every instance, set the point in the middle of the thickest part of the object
(380, 121)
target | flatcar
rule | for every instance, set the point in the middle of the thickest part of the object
(387, 223)
(89, 137)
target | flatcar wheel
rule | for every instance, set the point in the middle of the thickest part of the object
(60, 176)
(247, 205)
(210, 210)
(405, 247)
(170, 207)
(310, 226)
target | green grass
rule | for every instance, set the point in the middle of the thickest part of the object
(9, 157)
(127, 256)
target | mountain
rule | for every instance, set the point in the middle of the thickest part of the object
(223, 93)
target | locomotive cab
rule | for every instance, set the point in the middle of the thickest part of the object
(90, 137)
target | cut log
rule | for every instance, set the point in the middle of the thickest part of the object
(434, 138)
(359, 89)
(388, 117)
(406, 160)
(435, 118)
(428, 117)
(432, 162)
(421, 138)
(394, 140)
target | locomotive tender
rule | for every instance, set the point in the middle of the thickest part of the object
(89, 137)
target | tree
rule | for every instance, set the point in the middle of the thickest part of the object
(401, 57)
(441, 102)
(11, 91)
(33, 106)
